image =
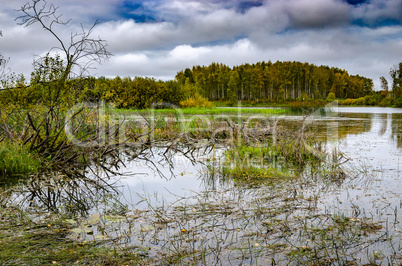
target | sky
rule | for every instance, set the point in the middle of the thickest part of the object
(161, 37)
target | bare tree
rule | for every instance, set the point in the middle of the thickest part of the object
(81, 51)
(4, 70)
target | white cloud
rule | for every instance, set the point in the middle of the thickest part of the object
(186, 53)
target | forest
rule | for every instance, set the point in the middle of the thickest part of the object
(274, 82)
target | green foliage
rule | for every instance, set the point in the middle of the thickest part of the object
(303, 97)
(132, 93)
(398, 102)
(331, 97)
(375, 98)
(317, 95)
(396, 75)
(359, 101)
(15, 158)
(48, 69)
(261, 82)
(387, 101)
(48, 86)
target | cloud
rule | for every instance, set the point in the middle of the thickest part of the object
(317, 13)
(185, 33)
(379, 13)
(187, 53)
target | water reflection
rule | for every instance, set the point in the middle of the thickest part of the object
(127, 177)
(396, 127)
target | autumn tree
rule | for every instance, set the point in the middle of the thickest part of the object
(384, 86)
(396, 75)
(233, 86)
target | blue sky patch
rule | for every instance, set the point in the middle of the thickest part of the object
(137, 11)
(357, 2)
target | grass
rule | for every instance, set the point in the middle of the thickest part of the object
(249, 174)
(203, 111)
(15, 159)
(294, 104)
(282, 156)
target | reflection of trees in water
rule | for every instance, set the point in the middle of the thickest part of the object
(383, 123)
(75, 192)
(396, 128)
(72, 190)
(348, 124)
(357, 124)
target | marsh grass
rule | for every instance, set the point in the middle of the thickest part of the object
(16, 159)
(26, 242)
(269, 224)
(280, 156)
(252, 174)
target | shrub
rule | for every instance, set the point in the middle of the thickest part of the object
(370, 100)
(386, 102)
(348, 101)
(360, 101)
(196, 101)
(331, 97)
(398, 102)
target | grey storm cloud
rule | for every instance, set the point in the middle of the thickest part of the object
(317, 13)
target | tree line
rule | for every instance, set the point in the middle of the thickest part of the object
(261, 82)
(273, 82)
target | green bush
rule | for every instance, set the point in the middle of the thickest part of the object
(386, 102)
(360, 101)
(331, 97)
(371, 100)
(398, 102)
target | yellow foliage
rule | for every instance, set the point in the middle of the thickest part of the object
(348, 101)
(196, 101)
